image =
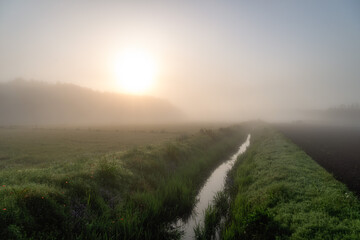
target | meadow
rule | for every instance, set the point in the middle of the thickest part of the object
(102, 183)
(276, 191)
(42, 146)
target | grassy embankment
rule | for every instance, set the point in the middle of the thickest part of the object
(278, 192)
(128, 195)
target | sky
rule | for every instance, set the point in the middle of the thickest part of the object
(215, 59)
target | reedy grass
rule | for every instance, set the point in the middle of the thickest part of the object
(134, 194)
(214, 217)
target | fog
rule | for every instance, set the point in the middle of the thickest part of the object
(36, 103)
(217, 61)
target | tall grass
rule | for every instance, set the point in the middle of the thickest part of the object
(134, 194)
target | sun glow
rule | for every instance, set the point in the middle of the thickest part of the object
(135, 71)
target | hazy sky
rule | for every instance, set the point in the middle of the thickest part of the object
(219, 58)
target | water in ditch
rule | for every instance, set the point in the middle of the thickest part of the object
(214, 183)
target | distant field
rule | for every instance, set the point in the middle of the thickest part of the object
(337, 149)
(25, 146)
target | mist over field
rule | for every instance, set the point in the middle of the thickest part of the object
(216, 61)
(35, 103)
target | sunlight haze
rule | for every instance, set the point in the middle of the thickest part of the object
(135, 70)
(219, 60)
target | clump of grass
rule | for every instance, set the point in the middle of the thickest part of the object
(252, 222)
(208, 229)
(36, 211)
(214, 216)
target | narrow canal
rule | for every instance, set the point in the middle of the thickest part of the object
(214, 184)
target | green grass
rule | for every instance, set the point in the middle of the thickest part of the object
(130, 194)
(279, 192)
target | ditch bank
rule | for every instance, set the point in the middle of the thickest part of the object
(277, 191)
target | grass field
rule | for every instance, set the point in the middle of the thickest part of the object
(25, 146)
(105, 184)
(276, 191)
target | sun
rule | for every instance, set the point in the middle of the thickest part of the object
(135, 71)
